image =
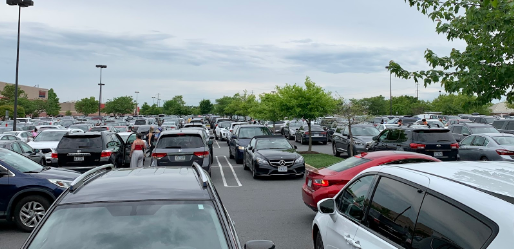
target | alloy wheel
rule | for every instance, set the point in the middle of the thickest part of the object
(319, 241)
(32, 213)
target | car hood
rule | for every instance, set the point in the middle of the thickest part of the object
(364, 138)
(60, 174)
(278, 154)
(44, 145)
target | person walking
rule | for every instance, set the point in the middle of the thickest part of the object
(151, 140)
(136, 153)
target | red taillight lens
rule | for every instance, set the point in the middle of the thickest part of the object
(159, 155)
(306, 133)
(106, 153)
(201, 154)
(54, 155)
(417, 146)
(454, 146)
(503, 152)
(320, 182)
(324, 133)
(230, 130)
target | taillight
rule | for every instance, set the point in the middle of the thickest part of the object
(503, 152)
(454, 146)
(201, 154)
(159, 155)
(324, 133)
(306, 133)
(230, 130)
(320, 182)
(106, 153)
(54, 155)
(417, 146)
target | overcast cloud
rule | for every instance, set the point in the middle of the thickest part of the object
(207, 49)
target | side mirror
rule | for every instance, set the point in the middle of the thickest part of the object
(375, 138)
(259, 244)
(249, 148)
(327, 206)
(209, 142)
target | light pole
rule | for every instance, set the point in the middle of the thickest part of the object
(100, 84)
(390, 93)
(137, 93)
(20, 4)
(153, 99)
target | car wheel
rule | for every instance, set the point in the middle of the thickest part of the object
(301, 140)
(254, 175)
(334, 150)
(484, 159)
(239, 161)
(29, 211)
(319, 241)
(230, 153)
(245, 167)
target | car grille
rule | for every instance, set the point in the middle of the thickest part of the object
(276, 163)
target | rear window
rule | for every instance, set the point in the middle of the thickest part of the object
(348, 164)
(99, 129)
(498, 124)
(140, 122)
(224, 124)
(433, 136)
(314, 128)
(80, 142)
(250, 132)
(180, 141)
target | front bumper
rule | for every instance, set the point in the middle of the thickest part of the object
(268, 170)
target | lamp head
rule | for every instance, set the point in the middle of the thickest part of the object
(101, 66)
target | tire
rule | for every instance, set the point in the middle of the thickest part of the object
(318, 244)
(334, 150)
(230, 153)
(239, 161)
(301, 140)
(33, 209)
(254, 175)
(245, 167)
(484, 158)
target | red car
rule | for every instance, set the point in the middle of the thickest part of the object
(327, 182)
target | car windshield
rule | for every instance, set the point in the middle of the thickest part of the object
(140, 122)
(273, 143)
(364, 131)
(224, 124)
(141, 129)
(490, 120)
(435, 124)
(50, 136)
(504, 140)
(479, 130)
(99, 129)
(77, 142)
(19, 162)
(250, 132)
(168, 123)
(149, 225)
(180, 141)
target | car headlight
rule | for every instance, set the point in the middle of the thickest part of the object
(299, 160)
(60, 183)
(261, 161)
(241, 147)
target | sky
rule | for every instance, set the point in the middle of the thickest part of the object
(207, 49)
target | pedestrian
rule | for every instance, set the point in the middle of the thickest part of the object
(34, 132)
(382, 121)
(136, 153)
(151, 140)
(400, 122)
(424, 122)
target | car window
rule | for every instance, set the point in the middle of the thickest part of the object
(25, 147)
(393, 211)
(180, 141)
(4, 138)
(354, 199)
(510, 126)
(364, 131)
(465, 130)
(273, 143)
(19, 162)
(504, 140)
(498, 124)
(12, 138)
(479, 141)
(77, 142)
(467, 141)
(348, 164)
(442, 225)
(250, 132)
(432, 136)
(50, 136)
(15, 147)
(252, 143)
(384, 135)
(457, 129)
(393, 135)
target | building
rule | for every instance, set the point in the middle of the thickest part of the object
(33, 92)
(501, 109)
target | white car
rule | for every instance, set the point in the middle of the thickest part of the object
(46, 141)
(421, 205)
(233, 127)
(382, 127)
(221, 132)
(169, 125)
(25, 136)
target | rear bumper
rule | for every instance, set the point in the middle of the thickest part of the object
(312, 197)
(316, 139)
(205, 163)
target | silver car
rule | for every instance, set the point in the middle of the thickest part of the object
(487, 147)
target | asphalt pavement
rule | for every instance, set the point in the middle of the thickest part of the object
(267, 208)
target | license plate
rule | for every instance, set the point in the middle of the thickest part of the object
(282, 168)
(309, 183)
(78, 158)
(438, 154)
(315, 135)
(180, 158)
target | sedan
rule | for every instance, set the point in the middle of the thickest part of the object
(327, 182)
(362, 138)
(318, 134)
(487, 147)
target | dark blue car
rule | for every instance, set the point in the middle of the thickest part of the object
(241, 138)
(27, 189)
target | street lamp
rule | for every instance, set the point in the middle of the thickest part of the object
(100, 84)
(137, 93)
(390, 93)
(20, 4)
(153, 99)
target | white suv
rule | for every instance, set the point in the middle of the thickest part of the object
(449, 205)
(221, 132)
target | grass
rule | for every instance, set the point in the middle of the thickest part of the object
(320, 160)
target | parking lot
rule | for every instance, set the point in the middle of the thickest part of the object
(267, 208)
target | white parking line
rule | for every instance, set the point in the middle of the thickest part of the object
(233, 172)
(222, 174)
(217, 144)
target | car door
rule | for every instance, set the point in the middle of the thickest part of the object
(350, 205)
(477, 148)
(465, 149)
(457, 132)
(336, 138)
(29, 152)
(380, 144)
(344, 139)
(118, 148)
(7, 188)
(248, 157)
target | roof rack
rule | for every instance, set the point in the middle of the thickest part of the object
(201, 174)
(88, 175)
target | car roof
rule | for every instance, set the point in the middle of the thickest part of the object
(269, 136)
(496, 134)
(91, 133)
(184, 131)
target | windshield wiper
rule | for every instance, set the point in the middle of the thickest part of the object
(32, 171)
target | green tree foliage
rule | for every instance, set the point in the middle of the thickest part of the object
(206, 106)
(374, 105)
(241, 104)
(485, 67)
(222, 106)
(308, 103)
(30, 106)
(455, 104)
(145, 109)
(86, 106)
(10, 108)
(349, 110)
(52, 107)
(408, 105)
(267, 109)
(68, 113)
(175, 106)
(120, 105)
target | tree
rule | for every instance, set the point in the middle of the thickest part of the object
(452, 104)
(120, 105)
(267, 109)
(485, 67)
(86, 106)
(68, 113)
(206, 106)
(377, 105)
(175, 106)
(308, 103)
(10, 109)
(145, 109)
(222, 105)
(349, 110)
(52, 107)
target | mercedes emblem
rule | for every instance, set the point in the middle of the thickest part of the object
(282, 162)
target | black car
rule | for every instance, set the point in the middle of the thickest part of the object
(460, 131)
(272, 155)
(362, 138)
(291, 128)
(241, 137)
(504, 125)
(24, 149)
(84, 151)
(438, 143)
(318, 134)
(152, 208)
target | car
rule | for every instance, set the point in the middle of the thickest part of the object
(8, 136)
(460, 131)
(25, 136)
(291, 128)
(232, 127)
(362, 138)
(169, 125)
(125, 135)
(504, 125)
(41, 128)
(420, 205)
(24, 149)
(487, 147)
(436, 142)
(318, 134)
(207, 136)
(241, 138)
(272, 155)
(457, 121)
(485, 120)
(82, 152)
(221, 131)
(180, 202)
(103, 128)
(327, 182)
(46, 141)
(141, 122)
(181, 148)
(382, 127)
(28, 189)
(83, 127)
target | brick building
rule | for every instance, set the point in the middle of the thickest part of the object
(33, 92)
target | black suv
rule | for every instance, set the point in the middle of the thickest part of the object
(460, 131)
(438, 143)
(139, 208)
(84, 151)
(504, 125)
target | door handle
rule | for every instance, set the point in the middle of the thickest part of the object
(356, 244)
(348, 238)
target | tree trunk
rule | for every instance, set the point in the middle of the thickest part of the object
(310, 135)
(350, 152)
